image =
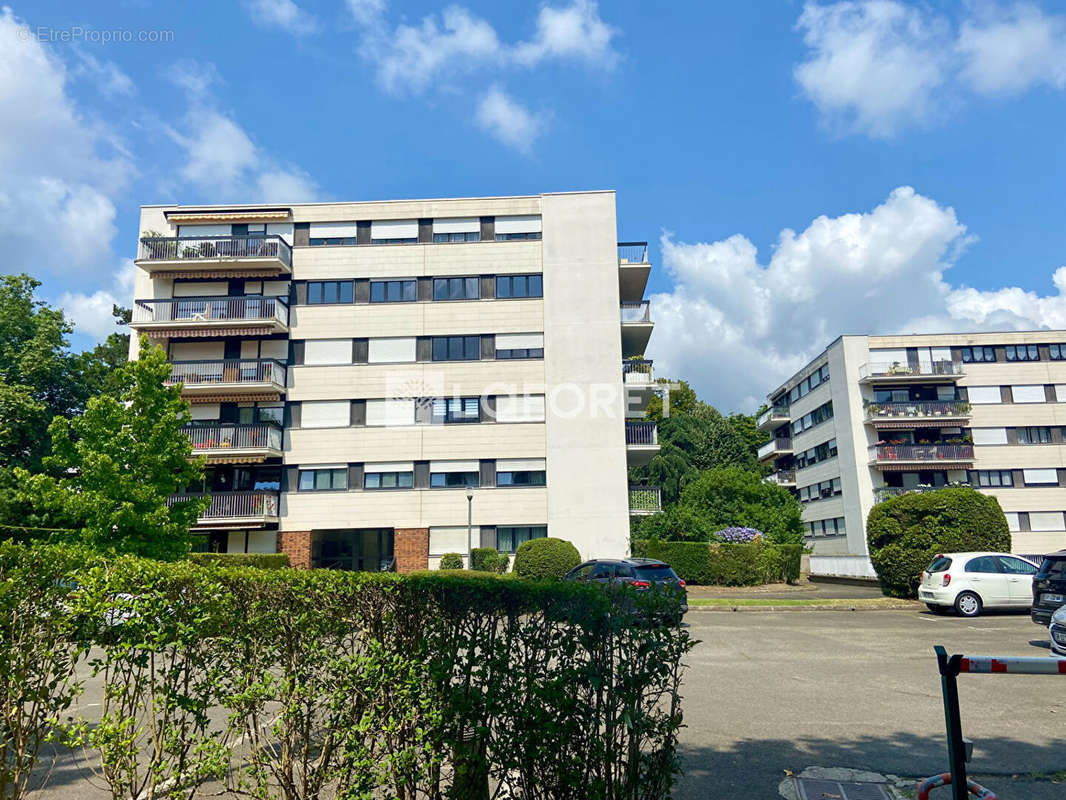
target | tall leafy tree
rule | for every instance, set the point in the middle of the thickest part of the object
(731, 496)
(115, 465)
(101, 364)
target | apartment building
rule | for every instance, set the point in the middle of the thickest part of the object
(876, 416)
(374, 384)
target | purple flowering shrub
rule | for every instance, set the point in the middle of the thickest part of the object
(737, 535)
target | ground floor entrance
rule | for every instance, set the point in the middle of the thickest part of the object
(359, 549)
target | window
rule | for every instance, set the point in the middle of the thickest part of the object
(816, 417)
(514, 286)
(977, 354)
(509, 538)
(327, 351)
(456, 289)
(519, 345)
(382, 476)
(520, 408)
(325, 414)
(979, 395)
(1016, 566)
(267, 479)
(1041, 477)
(1034, 435)
(1022, 352)
(812, 381)
(448, 410)
(827, 527)
(323, 479)
(518, 227)
(331, 241)
(992, 477)
(468, 236)
(983, 564)
(392, 350)
(820, 491)
(275, 414)
(393, 291)
(821, 452)
(457, 229)
(326, 234)
(323, 292)
(454, 480)
(510, 237)
(1057, 352)
(394, 231)
(989, 435)
(1031, 393)
(456, 348)
(521, 478)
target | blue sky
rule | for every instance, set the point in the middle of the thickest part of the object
(802, 169)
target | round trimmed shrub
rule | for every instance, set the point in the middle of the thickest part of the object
(545, 558)
(451, 561)
(905, 532)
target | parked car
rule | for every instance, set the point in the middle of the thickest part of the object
(1057, 632)
(642, 574)
(1049, 588)
(970, 582)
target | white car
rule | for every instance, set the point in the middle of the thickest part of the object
(1057, 631)
(969, 582)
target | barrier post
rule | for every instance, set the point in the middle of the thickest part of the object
(949, 673)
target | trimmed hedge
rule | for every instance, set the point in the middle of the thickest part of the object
(905, 532)
(451, 561)
(261, 560)
(723, 564)
(487, 559)
(545, 558)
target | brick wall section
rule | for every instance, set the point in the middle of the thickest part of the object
(411, 546)
(297, 544)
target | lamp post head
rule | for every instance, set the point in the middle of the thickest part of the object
(469, 493)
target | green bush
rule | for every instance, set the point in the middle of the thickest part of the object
(451, 561)
(483, 559)
(720, 564)
(905, 532)
(545, 558)
(261, 560)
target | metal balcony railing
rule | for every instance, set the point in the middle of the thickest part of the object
(882, 493)
(645, 433)
(213, 248)
(212, 309)
(632, 252)
(918, 408)
(234, 505)
(922, 452)
(895, 369)
(636, 312)
(781, 444)
(782, 476)
(645, 498)
(771, 413)
(637, 366)
(244, 437)
(250, 371)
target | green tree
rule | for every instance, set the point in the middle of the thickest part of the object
(732, 496)
(676, 523)
(116, 464)
(100, 366)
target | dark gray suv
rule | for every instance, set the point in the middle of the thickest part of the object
(642, 574)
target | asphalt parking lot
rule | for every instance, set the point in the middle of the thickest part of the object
(768, 692)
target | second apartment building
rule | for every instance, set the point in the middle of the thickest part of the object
(876, 416)
(366, 378)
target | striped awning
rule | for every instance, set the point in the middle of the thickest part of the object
(251, 215)
(232, 397)
(205, 329)
(236, 272)
(235, 459)
(918, 422)
(914, 466)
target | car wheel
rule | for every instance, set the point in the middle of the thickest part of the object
(935, 608)
(968, 604)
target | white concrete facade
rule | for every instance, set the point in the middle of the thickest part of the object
(361, 330)
(914, 412)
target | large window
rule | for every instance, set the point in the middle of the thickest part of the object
(822, 452)
(519, 345)
(389, 480)
(812, 381)
(456, 289)
(515, 286)
(393, 291)
(1057, 352)
(322, 292)
(817, 416)
(820, 491)
(1037, 434)
(447, 410)
(454, 478)
(323, 479)
(509, 538)
(529, 477)
(467, 236)
(826, 527)
(992, 477)
(977, 354)
(456, 348)
(1023, 352)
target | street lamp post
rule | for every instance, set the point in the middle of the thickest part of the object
(469, 527)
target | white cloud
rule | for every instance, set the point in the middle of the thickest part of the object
(283, 14)
(106, 76)
(366, 12)
(91, 313)
(878, 66)
(281, 186)
(736, 328)
(508, 120)
(574, 31)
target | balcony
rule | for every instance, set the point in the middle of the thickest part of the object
(638, 377)
(644, 500)
(781, 446)
(235, 509)
(882, 493)
(917, 413)
(900, 457)
(235, 444)
(895, 372)
(211, 316)
(228, 380)
(633, 270)
(772, 418)
(783, 477)
(636, 328)
(215, 256)
(642, 443)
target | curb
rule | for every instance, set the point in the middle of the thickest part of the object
(725, 608)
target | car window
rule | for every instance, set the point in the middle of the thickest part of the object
(602, 571)
(1053, 569)
(1016, 566)
(940, 564)
(656, 572)
(582, 572)
(982, 564)
(625, 571)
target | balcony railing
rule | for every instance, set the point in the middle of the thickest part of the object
(895, 369)
(644, 499)
(638, 367)
(234, 505)
(918, 408)
(632, 252)
(636, 312)
(782, 477)
(213, 248)
(250, 371)
(781, 444)
(922, 452)
(236, 437)
(642, 433)
(777, 412)
(212, 309)
(882, 493)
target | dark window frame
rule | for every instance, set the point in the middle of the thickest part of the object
(505, 286)
(407, 286)
(314, 473)
(400, 483)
